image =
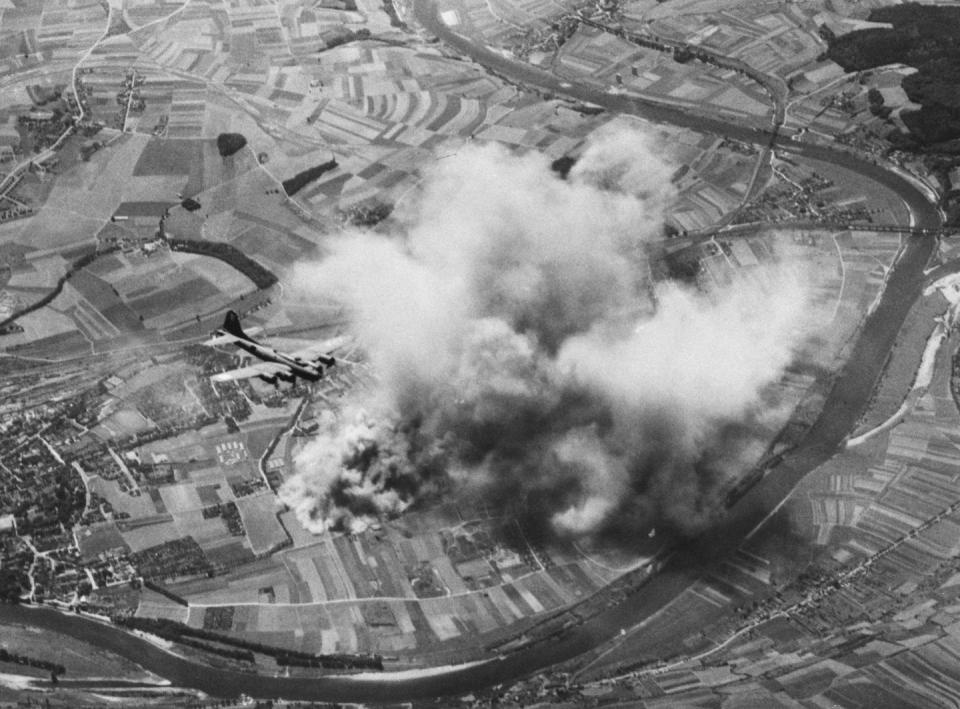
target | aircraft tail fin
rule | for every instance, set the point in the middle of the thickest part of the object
(231, 324)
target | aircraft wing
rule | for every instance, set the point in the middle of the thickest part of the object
(261, 369)
(327, 347)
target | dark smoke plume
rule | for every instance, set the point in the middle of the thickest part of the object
(523, 352)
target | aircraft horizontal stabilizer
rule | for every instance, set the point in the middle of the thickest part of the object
(219, 340)
(225, 338)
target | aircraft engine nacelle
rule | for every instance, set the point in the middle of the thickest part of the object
(278, 377)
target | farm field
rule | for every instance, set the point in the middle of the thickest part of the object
(385, 593)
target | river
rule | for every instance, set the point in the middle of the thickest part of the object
(845, 403)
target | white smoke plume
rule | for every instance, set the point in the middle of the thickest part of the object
(508, 316)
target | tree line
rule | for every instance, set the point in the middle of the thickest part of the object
(17, 659)
(178, 632)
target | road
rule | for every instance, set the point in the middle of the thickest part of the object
(851, 392)
(25, 164)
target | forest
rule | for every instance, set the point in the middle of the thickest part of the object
(927, 38)
(296, 183)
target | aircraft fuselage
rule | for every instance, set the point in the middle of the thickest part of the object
(304, 370)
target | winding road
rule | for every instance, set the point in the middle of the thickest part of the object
(851, 392)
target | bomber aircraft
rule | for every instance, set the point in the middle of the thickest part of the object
(310, 363)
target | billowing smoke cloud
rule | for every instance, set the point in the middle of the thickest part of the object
(524, 353)
(366, 463)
